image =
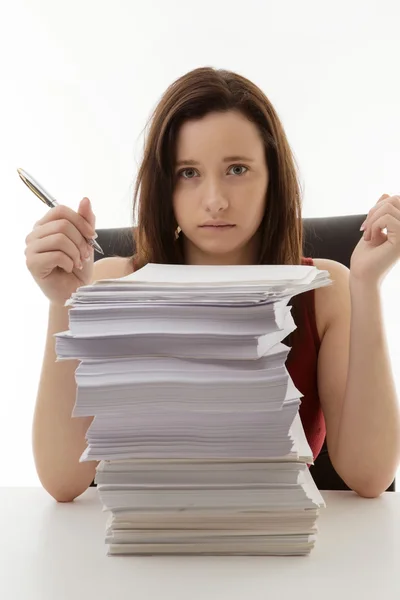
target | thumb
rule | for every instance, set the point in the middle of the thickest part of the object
(85, 210)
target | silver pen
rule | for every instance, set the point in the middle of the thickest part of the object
(45, 197)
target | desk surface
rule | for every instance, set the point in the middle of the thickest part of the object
(57, 551)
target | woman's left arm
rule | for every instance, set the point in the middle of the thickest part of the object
(355, 380)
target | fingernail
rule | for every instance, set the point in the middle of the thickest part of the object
(96, 235)
(79, 266)
(362, 226)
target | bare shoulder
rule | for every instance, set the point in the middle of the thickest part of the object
(112, 268)
(336, 269)
(333, 300)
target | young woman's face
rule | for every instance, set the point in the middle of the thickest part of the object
(221, 180)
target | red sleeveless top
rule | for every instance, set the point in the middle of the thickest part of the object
(302, 366)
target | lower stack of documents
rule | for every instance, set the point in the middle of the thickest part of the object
(196, 423)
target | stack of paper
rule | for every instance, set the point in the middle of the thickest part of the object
(197, 425)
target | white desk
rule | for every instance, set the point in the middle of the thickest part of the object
(59, 553)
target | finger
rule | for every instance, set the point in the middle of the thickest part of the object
(54, 243)
(388, 208)
(387, 221)
(41, 265)
(395, 200)
(377, 236)
(64, 227)
(383, 197)
(85, 210)
(377, 206)
(64, 212)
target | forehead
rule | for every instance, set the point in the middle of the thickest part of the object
(218, 133)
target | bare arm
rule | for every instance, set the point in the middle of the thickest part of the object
(356, 385)
(368, 443)
(59, 439)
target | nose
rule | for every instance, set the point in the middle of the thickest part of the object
(214, 199)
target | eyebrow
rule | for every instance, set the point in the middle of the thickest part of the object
(193, 163)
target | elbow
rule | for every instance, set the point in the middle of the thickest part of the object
(64, 491)
(63, 497)
(66, 494)
(368, 491)
(371, 487)
(364, 482)
(65, 484)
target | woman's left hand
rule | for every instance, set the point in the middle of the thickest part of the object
(377, 252)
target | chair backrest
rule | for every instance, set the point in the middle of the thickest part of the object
(324, 237)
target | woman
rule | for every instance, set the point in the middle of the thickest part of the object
(218, 185)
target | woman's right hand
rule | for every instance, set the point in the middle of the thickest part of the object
(57, 254)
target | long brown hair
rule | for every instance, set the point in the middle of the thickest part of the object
(192, 96)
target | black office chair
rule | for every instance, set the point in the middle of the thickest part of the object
(324, 237)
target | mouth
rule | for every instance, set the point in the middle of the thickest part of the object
(217, 225)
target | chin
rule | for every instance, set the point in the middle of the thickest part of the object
(220, 248)
(227, 253)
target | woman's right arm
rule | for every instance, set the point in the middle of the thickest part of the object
(58, 438)
(57, 256)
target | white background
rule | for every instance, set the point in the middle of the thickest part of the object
(80, 79)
